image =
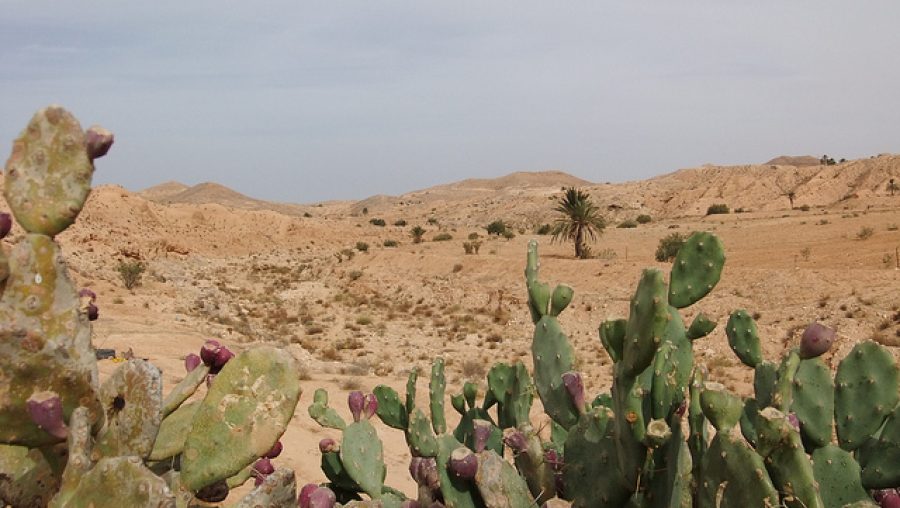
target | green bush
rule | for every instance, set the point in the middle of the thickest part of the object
(669, 246)
(543, 229)
(400, 222)
(377, 222)
(644, 219)
(471, 247)
(717, 208)
(628, 223)
(362, 246)
(508, 234)
(498, 227)
(417, 233)
(390, 243)
(442, 237)
(433, 221)
(131, 273)
(474, 236)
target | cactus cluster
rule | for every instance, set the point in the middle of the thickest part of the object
(66, 440)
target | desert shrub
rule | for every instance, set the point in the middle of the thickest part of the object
(348, 253)
(442, 237)
(131, 273)
(362, 246)
(400, 222)
(644, 218)
(717, 208)
(474, 236)
(433, 221)
(628, 223)
(865, 233)
(498, 227)
(390, 243)
(457, 267)
(508, 234)
(669, 246)
(607, 254)
(417, 233)
(892, 227)
(471, 247)
(307, 215)
(544, 229)
(804, 208)
(377, 222)
(355, 274)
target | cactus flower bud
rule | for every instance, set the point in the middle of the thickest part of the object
(262, 468)
(191, 362)
(575, 386)
(515, 439)
(215, 493)
(356, 400)
(328, 445)
(45, 409)
(275, 451)
(482, 433)
(816, 340)
(463, 463)
(208, 352)
(97, 141)
(92, 312)
(322, 497)
(305, 493)
(5, 224)
(222, 356)
(371, 405)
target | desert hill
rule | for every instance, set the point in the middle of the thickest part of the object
(214, 193)
(794, 160)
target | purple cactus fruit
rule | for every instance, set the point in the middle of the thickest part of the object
(191, 362)
(575, 386)
(261, 469)
(215, 493)
(515, 439)
(87, 293)
(463, 463)
(328, 445)
(322, 497)
(208, 352)
(275, 451)
(890, 500)
(794, 421)
(222, 356)
(415, 465)
(816, 340)
(45, 409)
(552, 457)
(371, 405)
(92, 312)
(356, 400)
(430, 476)
(305, 493)
(5, 224)
(97, 141)
(482, 431)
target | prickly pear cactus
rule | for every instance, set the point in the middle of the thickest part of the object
(246, 410)
(115, 482)
(132, 397)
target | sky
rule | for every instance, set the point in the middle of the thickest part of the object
(305, 101)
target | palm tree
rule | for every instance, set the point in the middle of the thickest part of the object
(581, 220)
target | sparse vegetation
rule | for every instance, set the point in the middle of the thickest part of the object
(627, 224)
(442, 237)
(508, 234)
(718, 208)
(417, 232)
(498, 227)
(400, 223)
(580, 220)
(377, 222)
(669, 246)
(644, 219)
(543, 229)
(432, 221)
(131, 273)
(865, 233)
(362, 246)
(390, 243)
(471, 247)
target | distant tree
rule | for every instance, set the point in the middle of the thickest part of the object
(791, 195)
(892, 186)
(579, 220)
(417, 233)
(827, 161)
(498, 227)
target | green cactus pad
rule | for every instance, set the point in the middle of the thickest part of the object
(363, 457)
(500, 484)
(814, 402)
(173, 431)
(553, 356)
(132, 397)
(245, 412)
(783, 395)
(866, 391)
(391, 411)
(513, 390)
(278, 490)
(45, 342)
(437, 387)
(184, 389)
(765, 375)
(337, 474)
(672, 368)
(698, 439)
(538, 473)
(591, 473)
(48, 175)
(457, 492)
(612, 336)
(732, 475)
(880, 458)
(748, 420)
(789, 466)
(79, 445)
(538, 292)
(743, 338)
(561, 298)
(411, 390)
(465, 431)
(720, 407)
(419, 436)
(323, 414)
(672, 486)
(115, 482)
(647, 323)
(700, 327)
(696, 269)
(26, 478)
(838, 477)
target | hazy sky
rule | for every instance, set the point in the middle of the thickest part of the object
(306, 101)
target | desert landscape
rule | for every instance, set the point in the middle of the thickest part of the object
(342, 286)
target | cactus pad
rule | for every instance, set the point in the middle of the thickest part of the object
(553, 356)
(696, 269)
(865, 393)
(838, 477)
(132, 398)
(278, 490)
(26, 478)
(500, 484)
(743, 338)
(173, 431)
(121, 481)
(363, 457)
(647, 323)
(814, 402)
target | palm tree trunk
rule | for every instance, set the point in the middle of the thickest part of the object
(579, 242)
